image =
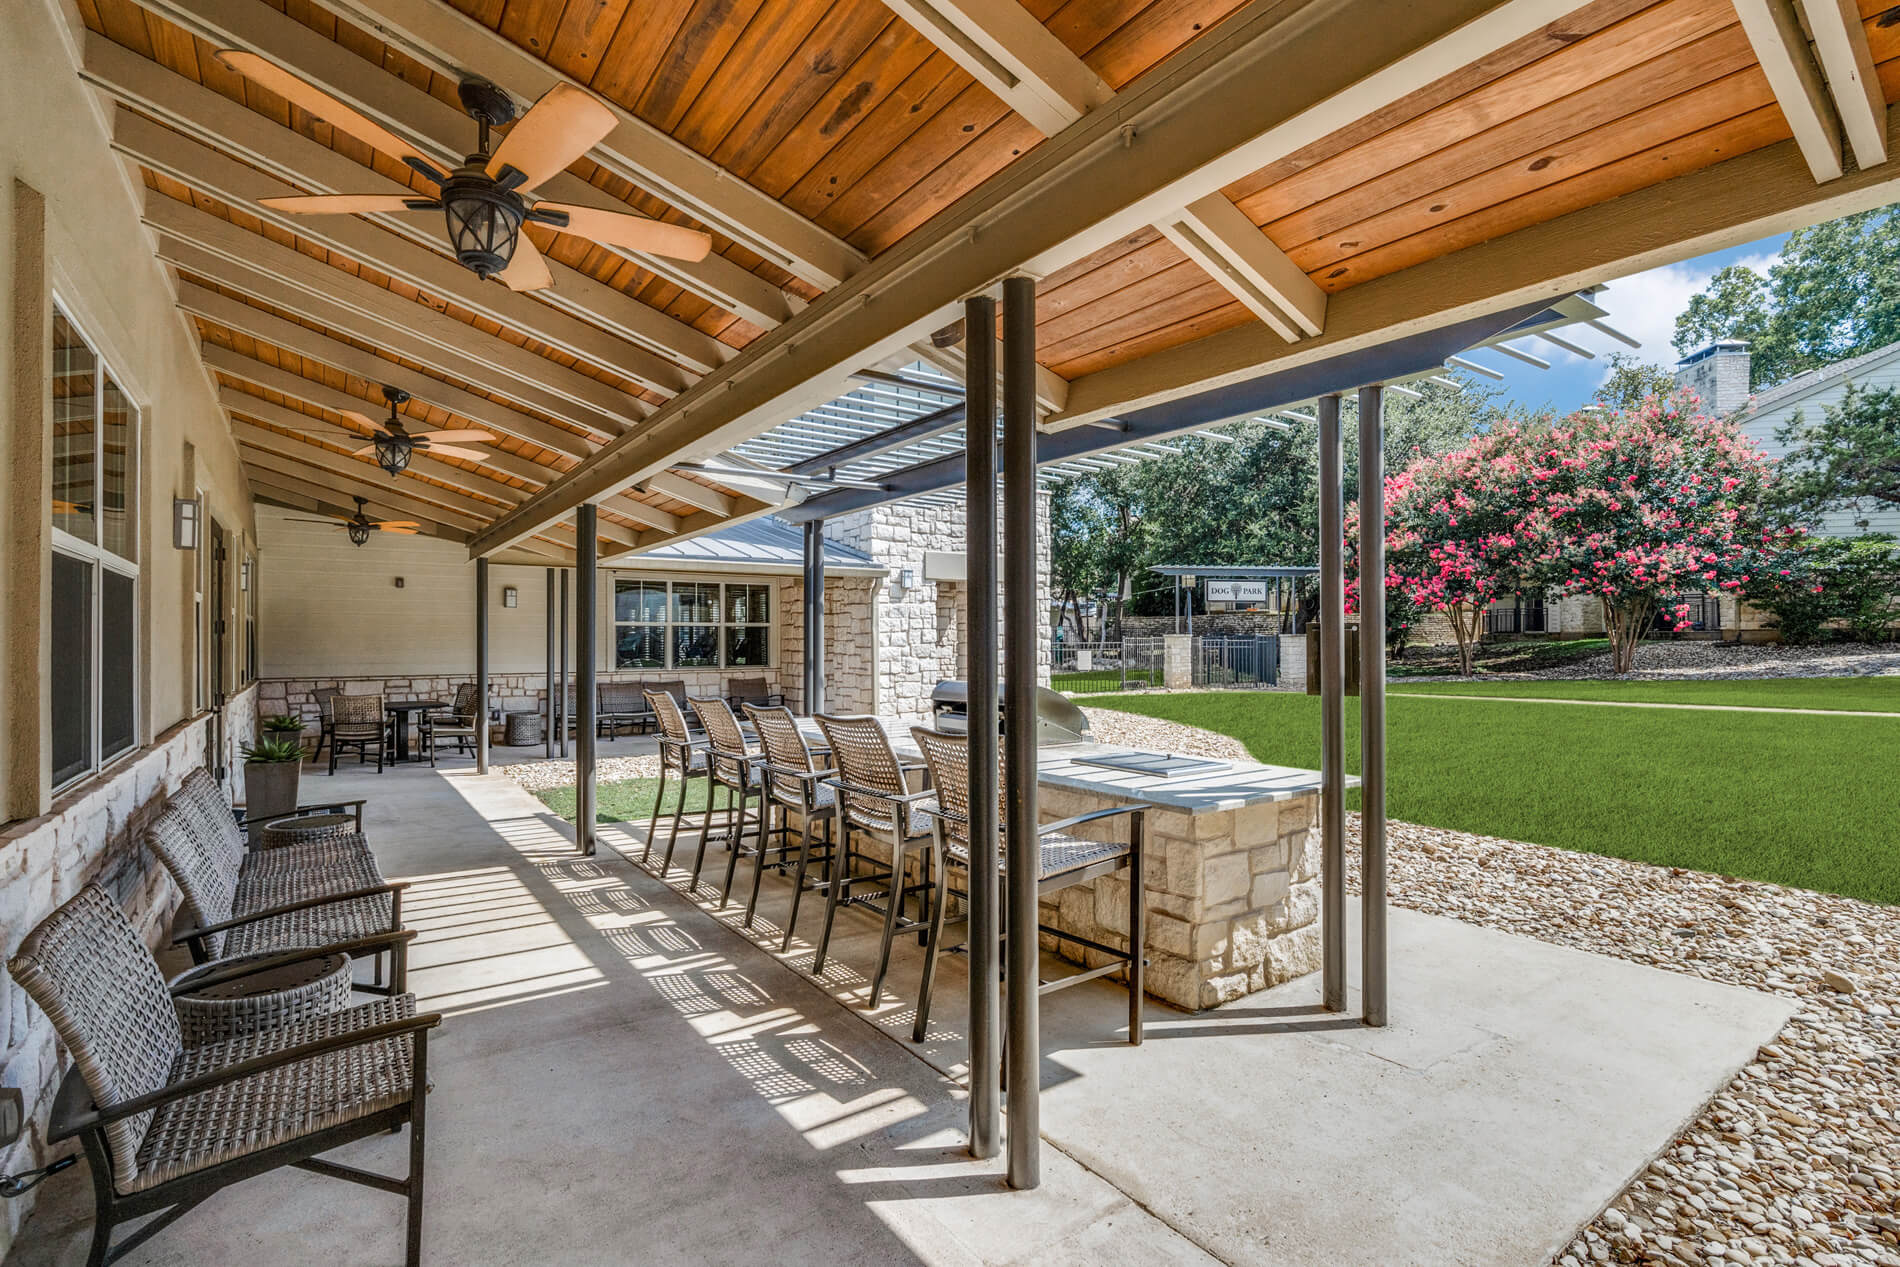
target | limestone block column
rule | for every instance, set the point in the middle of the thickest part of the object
(1177, 661)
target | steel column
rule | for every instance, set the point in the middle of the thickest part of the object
(814, 693)
(481, 666)
(562, 729)
(979, 369)
(1021, 620)
(586, 578)
(1372, 701)
(547, 736)
(1332, 707)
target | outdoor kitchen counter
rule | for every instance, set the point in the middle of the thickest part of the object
(1231, 869)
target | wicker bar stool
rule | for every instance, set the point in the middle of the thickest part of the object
(876, 800)
(794, 781)
(360, 724)
(1065, 861)
(681, 755)
(733, 771)
(165, 1124)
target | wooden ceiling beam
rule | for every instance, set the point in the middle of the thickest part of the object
(1008, 50)
(1259, 87)
(296, 387)
(1218, 236)
(1740, 200)
(1775, 33)
(266, 451)
(292, 493)
(1840, 42)
(467, 491)
(288, 336)
(575, 397)
(439, 128)
(453, 44)
(650, 346)
(693, 493)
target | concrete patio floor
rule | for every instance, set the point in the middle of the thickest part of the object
(624, 1078)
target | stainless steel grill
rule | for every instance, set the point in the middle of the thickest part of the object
(1058, 721)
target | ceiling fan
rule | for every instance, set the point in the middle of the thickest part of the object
(360, 525)
(486, 200)
(393, 446)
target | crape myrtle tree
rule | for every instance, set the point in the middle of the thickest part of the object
(1640, 506)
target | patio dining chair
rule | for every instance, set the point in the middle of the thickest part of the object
(359, 723)
(794, 781)
(744, 691)
(733, 769)
(622, 704)
(1063, 862)
(876, 800)
(165, 1126)
(241, 902)
(457, 726)
(680, 755)
(326, 718)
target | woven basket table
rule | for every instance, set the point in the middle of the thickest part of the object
(523, 729)
(265, 1000)
(308, 829)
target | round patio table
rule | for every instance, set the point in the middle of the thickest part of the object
(399, 714)
(308, 829)
(263, 1000)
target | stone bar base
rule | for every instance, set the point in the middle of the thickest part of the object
(1233, 896)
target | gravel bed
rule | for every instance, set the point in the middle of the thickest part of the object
(539, 776)
(1697, 661)
(1795, 1161)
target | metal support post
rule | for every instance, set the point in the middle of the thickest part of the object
(586, 578)
(979, 386)
(481, 666)
(547, 736)
(1332, 707)
(1372, 701)
(1021, 619)
(814, 693)
(561, 730)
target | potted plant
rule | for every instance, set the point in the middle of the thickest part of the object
(271, 770)
(281, 725)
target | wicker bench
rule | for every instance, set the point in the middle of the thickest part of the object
(623, 704)
(165, 1125)
(240, 902)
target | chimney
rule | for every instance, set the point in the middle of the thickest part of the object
(1718, 374)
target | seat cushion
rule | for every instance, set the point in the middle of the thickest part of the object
(239, 1118)
(275, 877)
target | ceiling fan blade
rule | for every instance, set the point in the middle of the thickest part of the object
(337, 204)
(365, 419)
(527, 271)
(453, 437)
(558, 129)
(407, 532)
(394, 523)
(636, 233)
(363, 452)
(451, 451)
(267, 74)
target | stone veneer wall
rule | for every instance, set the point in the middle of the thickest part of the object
(851, 646)
(917, 633)
(90, 834)
(1233, 897)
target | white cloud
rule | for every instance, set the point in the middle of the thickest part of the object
(1645, 306)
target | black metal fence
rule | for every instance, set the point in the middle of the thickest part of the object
(1133, 664)
(1237, 662)
(1526, 616)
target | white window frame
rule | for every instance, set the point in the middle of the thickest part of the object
(102, 560)
(720, 626)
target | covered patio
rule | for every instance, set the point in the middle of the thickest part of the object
(741, 303)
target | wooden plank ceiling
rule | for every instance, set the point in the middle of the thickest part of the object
(854, 126)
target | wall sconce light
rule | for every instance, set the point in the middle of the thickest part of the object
(185, 523)
(244, 575)
(510, 596)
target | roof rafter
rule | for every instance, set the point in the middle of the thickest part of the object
(1775, 34)
(1840, 42)
(466, 492)
(1007, 50)
(296, 494)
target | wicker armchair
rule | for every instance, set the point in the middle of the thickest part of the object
(360, 723)
(456, 726)
(875, 799)
(744, 691)
(733, 769)
(1065, 861)
(164, 1126)
(622, 704)
(681, 755)
(793, 780)
(326, 719)
(238, 902)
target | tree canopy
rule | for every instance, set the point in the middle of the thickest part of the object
(1848, 460)
(1833, 293)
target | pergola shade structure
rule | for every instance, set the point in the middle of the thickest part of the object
(1208, 193)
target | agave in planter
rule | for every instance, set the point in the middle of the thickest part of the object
(281, 724)
(271, 771)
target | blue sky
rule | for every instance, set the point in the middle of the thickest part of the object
(1643, 306)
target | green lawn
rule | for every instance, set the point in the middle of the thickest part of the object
(1796, 799)
(1865, 694)
(627, 800)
